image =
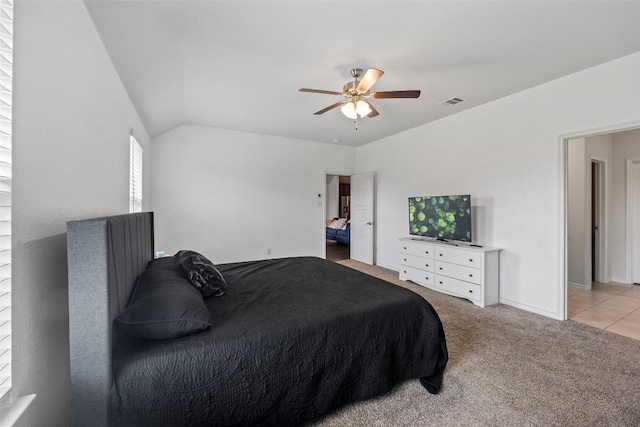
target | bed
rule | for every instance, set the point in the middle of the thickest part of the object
(289, 341)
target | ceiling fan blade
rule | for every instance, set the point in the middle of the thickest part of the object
(396, 94)
(370, 77)
(373, 112)
(330, 107)
(328, 92)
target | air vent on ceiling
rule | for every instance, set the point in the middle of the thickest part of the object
(452, 101)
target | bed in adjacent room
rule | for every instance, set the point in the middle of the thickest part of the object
(284, 342)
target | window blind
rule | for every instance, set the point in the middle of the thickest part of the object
(135, 175)
(6, 74)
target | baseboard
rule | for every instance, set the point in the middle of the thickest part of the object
(531, 309)
(622, 280)
(580, 286)
(388, 267)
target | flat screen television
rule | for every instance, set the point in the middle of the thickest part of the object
(441, 217)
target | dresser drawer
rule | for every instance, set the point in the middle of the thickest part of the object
(424, 250)
(460, 272)
(420, 263)
(456, 255)
(420, 277)
(459, 287)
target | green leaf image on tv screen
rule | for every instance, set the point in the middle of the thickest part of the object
(441, 217)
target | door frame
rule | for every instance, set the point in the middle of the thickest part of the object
(631, 247)
(563, 141)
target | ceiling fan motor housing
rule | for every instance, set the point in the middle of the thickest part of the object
(350, 89)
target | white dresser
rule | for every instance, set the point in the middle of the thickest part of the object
(456, 269)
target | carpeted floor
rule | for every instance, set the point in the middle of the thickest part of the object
(509, 367)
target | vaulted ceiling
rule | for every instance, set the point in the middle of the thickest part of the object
(239, 64)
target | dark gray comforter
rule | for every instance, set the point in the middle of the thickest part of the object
(292, 339)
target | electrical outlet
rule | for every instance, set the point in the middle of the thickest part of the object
(269, 251)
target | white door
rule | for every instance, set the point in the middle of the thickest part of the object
(361, 244)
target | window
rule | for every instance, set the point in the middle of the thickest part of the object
(6, 73)
(135, 175)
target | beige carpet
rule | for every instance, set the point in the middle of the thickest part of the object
(508, 367)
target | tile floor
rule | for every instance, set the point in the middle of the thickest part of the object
(610, 306)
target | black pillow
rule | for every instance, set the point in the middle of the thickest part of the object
(164, 263)
(163, 305)
(202, 273)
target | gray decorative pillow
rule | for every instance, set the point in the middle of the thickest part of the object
(202, 273)
(163, 305)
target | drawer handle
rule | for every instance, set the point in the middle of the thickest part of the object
(440, 282)
(470, 291)
(426, 265)
(426, 252)
(440, 268)
(470, 260)
(405, 271)
(405, 247)
(440, 254)
(405, 259)
(426, 278)
(471, 275)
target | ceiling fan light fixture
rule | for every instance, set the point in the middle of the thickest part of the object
(353, 109)
(349, 110)
(363, 108)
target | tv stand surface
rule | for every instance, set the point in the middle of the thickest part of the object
(444, 241)
(461, 270)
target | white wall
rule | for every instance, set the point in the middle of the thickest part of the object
(233, 196)
(71, 121)
(577, 244)
(508, 155)
(333, 196)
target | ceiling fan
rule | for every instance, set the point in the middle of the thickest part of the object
(354, 105)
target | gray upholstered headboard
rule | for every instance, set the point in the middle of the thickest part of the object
(104, 255)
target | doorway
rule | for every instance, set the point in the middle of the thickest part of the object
(338, 207)
(599, 234)
(598, 223)
(587, 211)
